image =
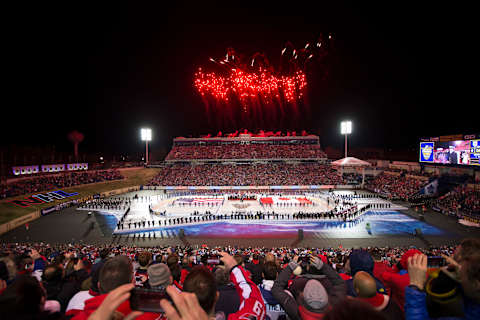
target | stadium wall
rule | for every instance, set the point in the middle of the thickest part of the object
(15, 223)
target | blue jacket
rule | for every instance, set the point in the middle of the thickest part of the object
(266, 290)
(416, 307)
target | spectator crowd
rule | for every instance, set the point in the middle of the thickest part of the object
(462, 201)
(79, 281)
(270, 174)
(55, 181)
(395, 186)
(246, 151)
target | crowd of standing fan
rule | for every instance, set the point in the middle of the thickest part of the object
(73, 281)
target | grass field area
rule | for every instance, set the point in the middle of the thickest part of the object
(133, 177)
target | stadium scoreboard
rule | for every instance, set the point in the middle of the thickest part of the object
(451, 150)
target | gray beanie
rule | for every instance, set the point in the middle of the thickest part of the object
(315, 295)
(159, 275)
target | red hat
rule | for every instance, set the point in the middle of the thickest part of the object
(406, 255)
(378, 301)
(323, 258)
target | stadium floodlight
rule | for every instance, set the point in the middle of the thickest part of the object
(346, 129)
(146, 135)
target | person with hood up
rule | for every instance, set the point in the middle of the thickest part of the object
(361, 260)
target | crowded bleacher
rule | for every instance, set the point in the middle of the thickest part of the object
(251, 151)
(79, 281)
(246, 145)
(53, 181)
(265, 174)
(395, 186)
(463, 201)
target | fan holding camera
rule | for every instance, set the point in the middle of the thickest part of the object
(451, 291)
(115, 284)
(316, 287)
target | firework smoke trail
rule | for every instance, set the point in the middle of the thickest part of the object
(251, 89)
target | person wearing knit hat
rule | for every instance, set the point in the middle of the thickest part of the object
(159, 275)
(307, 297)
(397, 281)
(404, 259)
(314, 295)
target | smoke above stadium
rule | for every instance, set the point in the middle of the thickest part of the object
(249, 91)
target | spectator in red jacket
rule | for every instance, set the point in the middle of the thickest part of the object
(202, 282)
(398, 281)
(115, 272)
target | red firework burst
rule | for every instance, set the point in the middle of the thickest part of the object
(247, 85)
(248, 91)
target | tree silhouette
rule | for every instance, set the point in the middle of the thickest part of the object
(75, 137)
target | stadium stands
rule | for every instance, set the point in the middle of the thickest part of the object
(61, 180)
(83, 281)
(463, 202)
(264, 174)
(395, 186)
(251, 151)
(246, 146)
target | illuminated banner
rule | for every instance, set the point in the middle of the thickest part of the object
(53, 167)
(77, 166)
(456, 152)
(43, 198)
(426, 151)
(24, 170)
(453, 137)
(245, 187)
(475, 152)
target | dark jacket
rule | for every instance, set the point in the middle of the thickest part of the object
(392, 311)
(289, 298)
(416, 306)
(228, 299)
(255, 270)
(71, 287)
(361, 260)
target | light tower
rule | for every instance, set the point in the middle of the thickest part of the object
(346, 129)
(146, 135)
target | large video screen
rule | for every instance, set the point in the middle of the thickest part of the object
(459, 152)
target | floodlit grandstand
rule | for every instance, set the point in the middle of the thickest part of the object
(247, 147)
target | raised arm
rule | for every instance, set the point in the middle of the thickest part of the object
(339, 287)
(281, 293)
(251, 301)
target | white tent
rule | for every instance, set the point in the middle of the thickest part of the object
(351, 162)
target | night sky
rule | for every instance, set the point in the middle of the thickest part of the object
(398, 72)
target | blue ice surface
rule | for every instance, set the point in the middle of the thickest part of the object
(109, 219)
(382, 223)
